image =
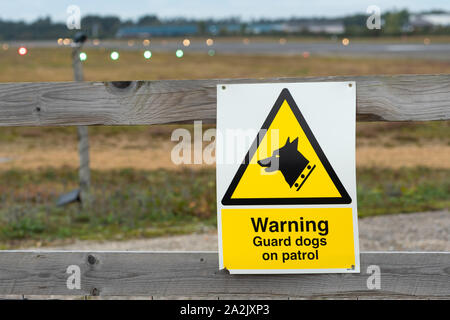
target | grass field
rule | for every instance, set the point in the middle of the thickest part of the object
(401, 167)
(55, 65)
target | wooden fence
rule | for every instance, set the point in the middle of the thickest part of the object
(379, 98)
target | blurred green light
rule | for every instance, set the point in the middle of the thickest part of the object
(211, 52)
(147, 54)
(179, 53)
(114, 55)
(83, 56)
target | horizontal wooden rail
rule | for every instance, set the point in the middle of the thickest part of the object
(379, 98)
(402, 275)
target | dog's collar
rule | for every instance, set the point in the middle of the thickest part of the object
(304, 176)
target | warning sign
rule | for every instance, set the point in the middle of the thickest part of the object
(295, 172)
(289, 204)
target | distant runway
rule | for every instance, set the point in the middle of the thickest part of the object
(430, 51)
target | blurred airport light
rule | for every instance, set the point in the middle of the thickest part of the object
(5, 46)
(211, 52)
(179, 53)
(83, 56)
(130, 43)
(22, 51)
(146, 42)
(95, 42)
(147, 54)
(67, 41)
(114, 55)
(345, 41)
(60, 41)
(209, 42)
(305, 54)
(186, 42)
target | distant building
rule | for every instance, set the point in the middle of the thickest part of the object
(253, 28)
(166, 30)
(261, 28)
(215, 29)
(157, 31)
(328, 27)
(430, 20)
(332, 28)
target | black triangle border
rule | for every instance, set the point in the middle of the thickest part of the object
(345, 197)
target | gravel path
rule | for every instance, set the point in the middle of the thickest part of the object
(425, 231)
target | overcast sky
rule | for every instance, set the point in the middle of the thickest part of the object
(246, 9)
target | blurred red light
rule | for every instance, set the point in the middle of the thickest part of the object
(22, 51)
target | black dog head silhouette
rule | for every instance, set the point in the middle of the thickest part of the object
(288, 160)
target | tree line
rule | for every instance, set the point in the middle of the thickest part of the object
(394, 23)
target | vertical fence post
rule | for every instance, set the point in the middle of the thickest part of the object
(84, 173)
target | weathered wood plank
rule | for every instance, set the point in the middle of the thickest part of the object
(403, 274)
(380, 98)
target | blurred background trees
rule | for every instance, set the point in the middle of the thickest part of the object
(394, 23)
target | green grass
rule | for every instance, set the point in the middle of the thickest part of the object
(131, 203)
(384, 191)
(128, 203)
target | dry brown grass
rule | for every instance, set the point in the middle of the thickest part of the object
(55, 65)
(139, 150)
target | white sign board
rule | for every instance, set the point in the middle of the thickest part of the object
(286, 180)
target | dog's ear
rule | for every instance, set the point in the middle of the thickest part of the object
(287, 141)
(294, 143)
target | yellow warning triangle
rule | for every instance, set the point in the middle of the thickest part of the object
(285, 164)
